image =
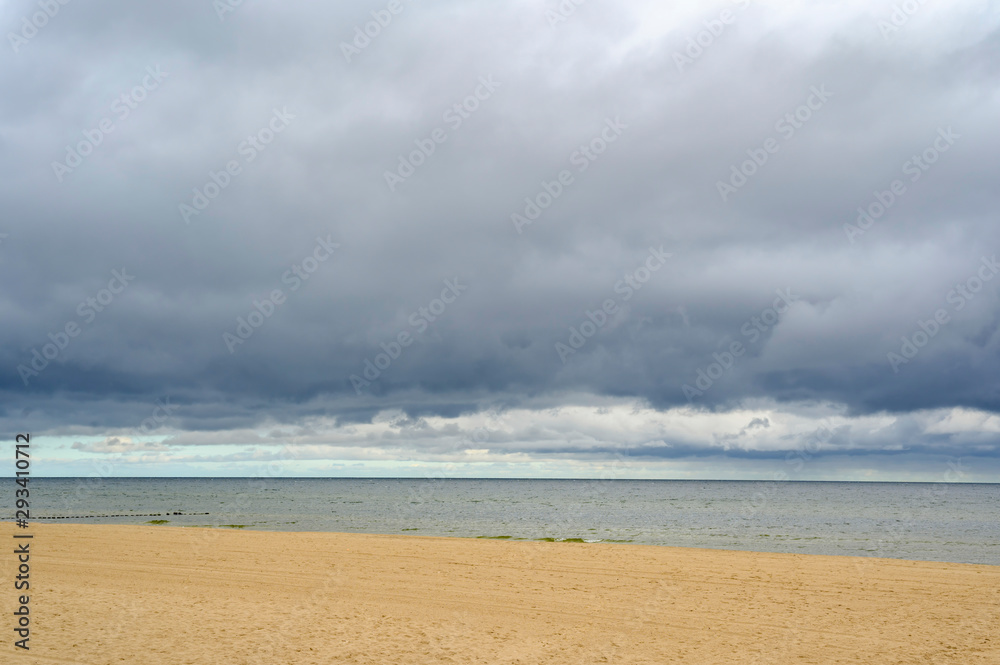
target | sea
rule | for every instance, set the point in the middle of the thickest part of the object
(923, 521)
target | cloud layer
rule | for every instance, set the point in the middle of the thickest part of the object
(470, 208)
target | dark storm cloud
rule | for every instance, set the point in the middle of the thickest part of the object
(553, 91)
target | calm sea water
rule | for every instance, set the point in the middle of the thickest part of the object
(935, 522)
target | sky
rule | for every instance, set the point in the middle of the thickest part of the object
(732, 240)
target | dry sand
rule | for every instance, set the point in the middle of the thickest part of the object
(157, 594)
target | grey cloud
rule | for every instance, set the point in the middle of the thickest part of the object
(323, 176)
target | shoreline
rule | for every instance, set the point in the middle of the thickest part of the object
(531, 478)
(150, 594)
(248, 528)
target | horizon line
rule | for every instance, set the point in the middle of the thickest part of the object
(693, 480)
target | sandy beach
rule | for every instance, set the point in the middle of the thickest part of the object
(154, 594)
